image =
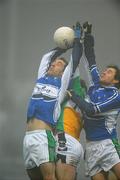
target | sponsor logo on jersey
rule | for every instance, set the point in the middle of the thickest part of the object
(45, 90)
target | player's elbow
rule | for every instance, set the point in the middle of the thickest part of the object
(90, 109)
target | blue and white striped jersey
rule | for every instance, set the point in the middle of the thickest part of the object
(102, 104)
(49, 91)
(106, 103)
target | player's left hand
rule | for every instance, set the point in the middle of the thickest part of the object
(87, 27)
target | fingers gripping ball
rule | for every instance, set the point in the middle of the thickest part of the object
(64, 37)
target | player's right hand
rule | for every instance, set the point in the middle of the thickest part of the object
(78, 30)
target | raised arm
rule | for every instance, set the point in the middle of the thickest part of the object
(90, 53)
(70, 70)
(77, 51)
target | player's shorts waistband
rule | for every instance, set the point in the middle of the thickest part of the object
(36, 131)
(89, 143)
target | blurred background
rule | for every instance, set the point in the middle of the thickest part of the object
(26, 33)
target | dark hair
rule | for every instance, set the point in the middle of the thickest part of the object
(117, 74)
(64, 60)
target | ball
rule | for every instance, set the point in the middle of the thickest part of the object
(64, 37)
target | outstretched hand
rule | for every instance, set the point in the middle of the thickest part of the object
(77, 30)
(87, 27)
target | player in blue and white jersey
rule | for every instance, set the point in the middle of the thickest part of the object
(43, 112)
(100, 111)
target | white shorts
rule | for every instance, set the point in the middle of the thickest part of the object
(100, 155)
(71, 152)
(38, 148)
